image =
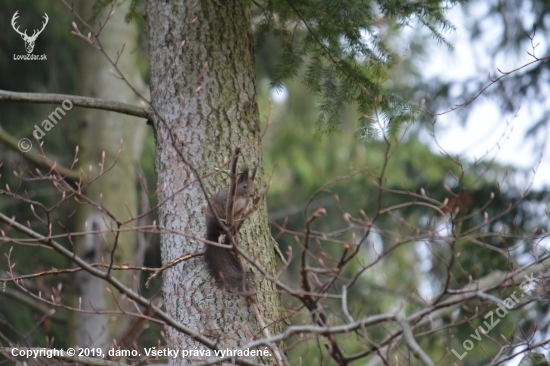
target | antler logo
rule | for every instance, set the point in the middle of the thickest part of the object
(29, 40)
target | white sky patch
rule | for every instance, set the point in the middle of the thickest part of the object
(486, 124)
(424, 285)
(278, 95)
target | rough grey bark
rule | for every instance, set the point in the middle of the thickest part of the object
(117, 190)
(205, 94)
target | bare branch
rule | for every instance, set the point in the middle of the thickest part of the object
(79, 101)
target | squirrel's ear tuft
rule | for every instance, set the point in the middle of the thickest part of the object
(243, 176)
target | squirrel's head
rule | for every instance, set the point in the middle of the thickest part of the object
(245, 183)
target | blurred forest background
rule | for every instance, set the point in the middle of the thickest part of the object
(300, 157)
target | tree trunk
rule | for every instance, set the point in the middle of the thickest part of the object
(205, 94)
(117, 189)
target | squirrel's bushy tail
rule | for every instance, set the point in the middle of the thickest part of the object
(224, 266)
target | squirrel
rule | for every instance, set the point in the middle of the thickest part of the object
(222, 263)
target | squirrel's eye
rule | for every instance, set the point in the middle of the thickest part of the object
(244, 186)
